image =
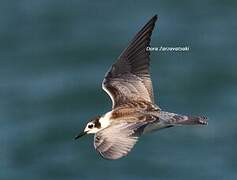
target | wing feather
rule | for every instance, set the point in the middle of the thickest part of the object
(117, 141)
(129, 78)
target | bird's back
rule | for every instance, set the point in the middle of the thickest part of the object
(135, 111)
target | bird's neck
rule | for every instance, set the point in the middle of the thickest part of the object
(105, 120)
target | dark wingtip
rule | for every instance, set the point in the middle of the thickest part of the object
(155, 17)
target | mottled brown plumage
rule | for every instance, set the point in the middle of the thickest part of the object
(134, 107)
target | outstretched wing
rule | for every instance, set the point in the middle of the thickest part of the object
(129, 78)
(117, 141)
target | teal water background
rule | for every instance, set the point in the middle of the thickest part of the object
(53, 57)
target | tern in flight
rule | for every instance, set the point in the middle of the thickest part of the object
(134, 112)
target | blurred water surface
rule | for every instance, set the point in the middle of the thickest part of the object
(53, 56)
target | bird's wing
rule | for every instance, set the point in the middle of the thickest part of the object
(129, 78)
(117, 141)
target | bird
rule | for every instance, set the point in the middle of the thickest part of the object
(134, 111)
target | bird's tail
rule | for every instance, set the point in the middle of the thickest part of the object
(176, 119)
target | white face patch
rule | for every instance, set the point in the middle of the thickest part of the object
(104, 122)
(91, 129)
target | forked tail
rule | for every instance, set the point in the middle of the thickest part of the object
(176, 119)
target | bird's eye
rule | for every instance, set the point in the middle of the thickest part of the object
(90, 126)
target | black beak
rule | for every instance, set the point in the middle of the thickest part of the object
(80, 135)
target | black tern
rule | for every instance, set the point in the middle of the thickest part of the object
(134, 111)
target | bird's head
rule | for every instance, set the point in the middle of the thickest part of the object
(92, 127)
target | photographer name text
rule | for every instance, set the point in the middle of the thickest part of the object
(164, 48)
